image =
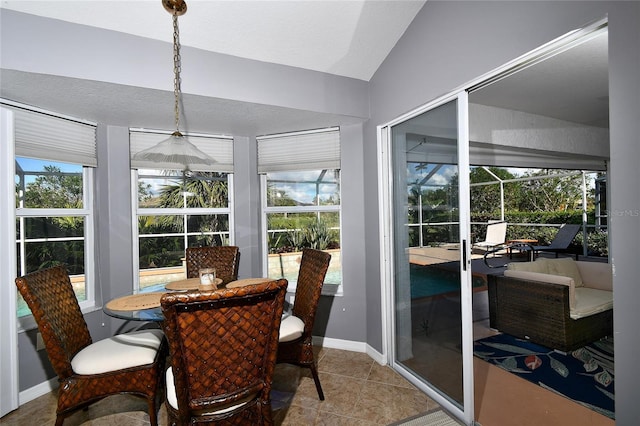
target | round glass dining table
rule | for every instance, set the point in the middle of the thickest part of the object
(149, 314)
(147, 300)
(123, 307)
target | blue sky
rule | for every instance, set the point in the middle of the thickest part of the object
(33, 165)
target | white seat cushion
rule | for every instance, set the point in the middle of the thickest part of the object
(291, 328)
(591, 301)
(172, 399)
(118, 352)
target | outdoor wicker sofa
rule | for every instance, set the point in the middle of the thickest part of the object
(558, 303)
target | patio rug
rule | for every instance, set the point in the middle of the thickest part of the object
(585, 375)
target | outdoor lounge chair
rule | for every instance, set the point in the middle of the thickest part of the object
(495, 236)
(561, 241)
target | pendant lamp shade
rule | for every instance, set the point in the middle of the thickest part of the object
(175, 152)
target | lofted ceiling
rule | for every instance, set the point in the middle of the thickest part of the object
(572, 86)
(348, 38)
(344, 38)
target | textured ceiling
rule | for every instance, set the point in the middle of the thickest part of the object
(348, 38)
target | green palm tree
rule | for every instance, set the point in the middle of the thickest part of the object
(206, 190)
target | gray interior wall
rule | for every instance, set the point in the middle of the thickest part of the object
(451, 43)
(344, 317)
(40, 46)
(246, 196)
(448, 44)
(624, 213)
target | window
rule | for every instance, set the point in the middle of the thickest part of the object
(54, 159)
(300, 180)
(53, 220)
(173, 212)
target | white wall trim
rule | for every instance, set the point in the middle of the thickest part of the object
(9, 381)
(38, 390)
(345, 345)
(377, 356)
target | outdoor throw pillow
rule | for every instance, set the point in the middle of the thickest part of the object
(540, 266)
(567, 268)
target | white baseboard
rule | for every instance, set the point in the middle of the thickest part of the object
(350, 345)
(377, 356)
(345, 345)
(37, 391)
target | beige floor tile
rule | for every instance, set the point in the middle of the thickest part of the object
(340, 393)
(385, 374)
(383, 403)
(350, 399)
(346, 363)
(330, 419)
(295, 416)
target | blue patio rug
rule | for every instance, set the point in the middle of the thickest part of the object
(585, 375)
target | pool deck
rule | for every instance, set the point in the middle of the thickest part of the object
(448, 257)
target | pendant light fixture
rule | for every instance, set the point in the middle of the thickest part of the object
(176, 152)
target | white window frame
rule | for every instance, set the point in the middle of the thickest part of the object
(66, 152)
(87, 213)
(137, 212)
(327, 290)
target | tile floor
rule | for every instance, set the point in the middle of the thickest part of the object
(358, 391)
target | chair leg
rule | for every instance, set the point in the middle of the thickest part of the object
(316, 379)
(153, 415)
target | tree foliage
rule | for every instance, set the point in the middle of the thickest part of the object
(54, 189)
(486, 199)
(207, 190)
(552, 193)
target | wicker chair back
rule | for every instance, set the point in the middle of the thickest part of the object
(223, 347)
(225, 259)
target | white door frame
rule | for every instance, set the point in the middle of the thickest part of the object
(386, 250)
(539, 54)
(8, 330)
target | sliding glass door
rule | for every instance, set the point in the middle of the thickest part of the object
(430, 280)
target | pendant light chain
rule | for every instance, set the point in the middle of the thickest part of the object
(175, 152)
(176, 70)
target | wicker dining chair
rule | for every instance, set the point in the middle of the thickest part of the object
(225, 259)
(88, 371)
(223, 347)
(295, 331)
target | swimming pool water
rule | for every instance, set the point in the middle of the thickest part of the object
(430, 281)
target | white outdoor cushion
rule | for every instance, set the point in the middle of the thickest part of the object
(172, 399)
(591, 301)
(291, 328)
(540, 266)
(596, 275)
(567, 268)
(118, 352)
(546, 278)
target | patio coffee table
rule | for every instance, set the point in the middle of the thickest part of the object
(519, 241)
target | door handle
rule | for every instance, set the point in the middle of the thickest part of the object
(464, 255)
